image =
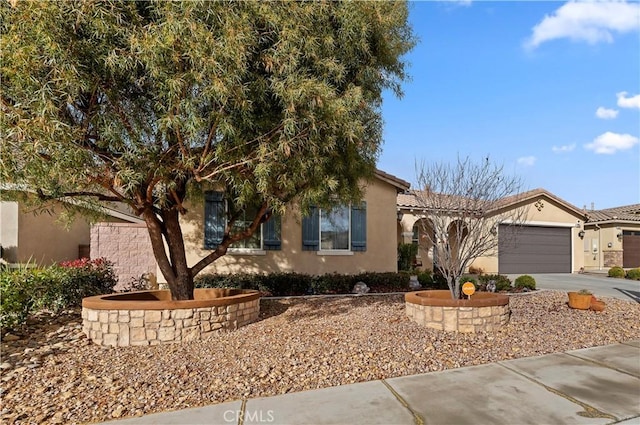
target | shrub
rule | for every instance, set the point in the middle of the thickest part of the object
(16, 296)
(406, 255)
(54, 288)
(616, 271)
(525, 281)
(71, 281)
(502, 282)
(634, 274)
(426, 278)
(468, 278)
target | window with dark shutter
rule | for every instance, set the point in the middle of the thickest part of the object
(311, 231)
(359, 227)
(214, 219)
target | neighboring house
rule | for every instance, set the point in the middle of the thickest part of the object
(27, 237)
(548, 242)
(349, 239)
(612, 238)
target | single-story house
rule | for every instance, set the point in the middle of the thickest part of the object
(548, 242)
(350, 239)
(27, 237)
(612, 238)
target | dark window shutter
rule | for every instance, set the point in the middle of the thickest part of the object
(214, 219)
(359, 227)
(271, 231)
(311, 231)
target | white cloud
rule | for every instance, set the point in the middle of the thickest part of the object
(565, 148)
(610, 143)
(592, 22)
(606, 114)
(527, 161)
(628, 102)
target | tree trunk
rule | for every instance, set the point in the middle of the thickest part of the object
(174, 268)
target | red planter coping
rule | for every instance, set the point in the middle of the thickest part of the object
(442, 298)
(161, 299)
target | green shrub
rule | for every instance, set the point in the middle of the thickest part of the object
(525, 281)
(616, 271)
(468, 278)
(425, 278)
(633, 274)
(71, 281)
(54, 288)
(406, 256)
(502, 282)
(17, 302)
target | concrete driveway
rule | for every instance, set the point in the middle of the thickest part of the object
(599, 284)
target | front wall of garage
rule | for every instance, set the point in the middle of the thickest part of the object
(534, 249)
(542, 213)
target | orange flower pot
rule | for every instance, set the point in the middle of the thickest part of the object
(579, 301)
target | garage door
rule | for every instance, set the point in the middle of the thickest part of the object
(534, 249)
(630, 249)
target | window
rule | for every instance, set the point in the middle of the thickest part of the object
(215, 221)
(339, 229)
(246, 218)
(334, 229)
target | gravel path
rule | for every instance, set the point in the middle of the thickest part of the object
(55, 375)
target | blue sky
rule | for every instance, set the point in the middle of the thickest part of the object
(550, 90)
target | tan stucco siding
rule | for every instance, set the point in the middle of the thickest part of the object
(44, 240)
(602, 248)
(539, 212)
(380, 255)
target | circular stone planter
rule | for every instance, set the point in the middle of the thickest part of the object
(485, 311)
(152, 317)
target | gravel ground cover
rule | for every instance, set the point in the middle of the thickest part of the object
(53, 374)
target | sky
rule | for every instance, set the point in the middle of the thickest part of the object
(548, 90)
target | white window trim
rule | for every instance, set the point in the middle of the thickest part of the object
(335, 252)
(246, 251)
(341, 251)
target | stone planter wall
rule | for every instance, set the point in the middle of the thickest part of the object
(145, 326)
(454, 315)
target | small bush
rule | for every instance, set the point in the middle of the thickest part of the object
(425, 278)
(617, 272)
(502, 282)
(468, 278)
(54, 288)
(525, 281)
(406, 256)
(633, 274)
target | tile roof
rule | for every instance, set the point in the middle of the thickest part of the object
(393, 180)
(617, 214)
(413, 200)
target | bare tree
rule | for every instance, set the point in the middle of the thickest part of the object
(464, 204)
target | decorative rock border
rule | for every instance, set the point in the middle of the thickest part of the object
(485, 311)
(151, 317)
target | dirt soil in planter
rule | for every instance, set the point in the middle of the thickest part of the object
(52, 374)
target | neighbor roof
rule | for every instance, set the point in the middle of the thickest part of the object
(400, 184)
(615, 215)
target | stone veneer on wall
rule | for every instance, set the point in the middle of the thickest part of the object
(612, 258)
(460, 319)
(128, 246)
(151, 327)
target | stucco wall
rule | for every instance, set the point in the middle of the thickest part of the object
(541, 211)
(380, 256)
(39, 238)
(602, 249)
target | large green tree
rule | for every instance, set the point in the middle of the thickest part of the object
(148, 103)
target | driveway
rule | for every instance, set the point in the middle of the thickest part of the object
(599, 284)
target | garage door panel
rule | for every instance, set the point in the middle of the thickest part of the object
(533, 249)
(631, 249)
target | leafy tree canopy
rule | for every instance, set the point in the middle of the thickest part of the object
(147, 103)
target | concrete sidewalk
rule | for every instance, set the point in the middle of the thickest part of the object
(599, 385)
